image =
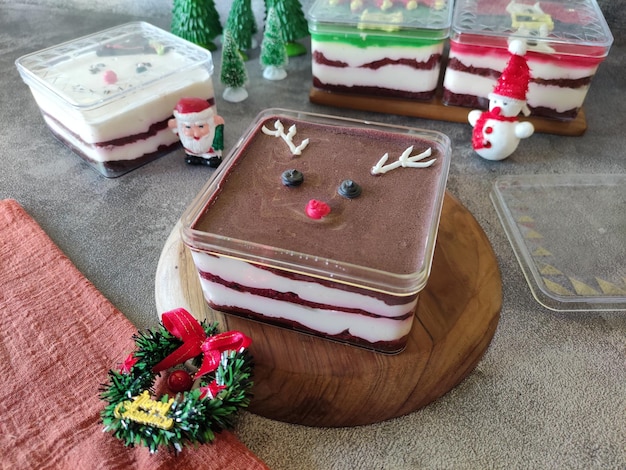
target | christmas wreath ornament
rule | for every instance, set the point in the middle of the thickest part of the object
(222, 383)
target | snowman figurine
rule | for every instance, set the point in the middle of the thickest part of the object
(497, 132)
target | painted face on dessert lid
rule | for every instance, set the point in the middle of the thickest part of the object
(112, 65)
(575, 28)
(426, 19)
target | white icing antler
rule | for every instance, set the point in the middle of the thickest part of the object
(404, 161)
(288, 138)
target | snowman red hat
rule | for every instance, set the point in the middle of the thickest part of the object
(513, 82)
(192, 110)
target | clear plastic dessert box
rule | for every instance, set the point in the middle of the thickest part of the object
(378, 48)
(567, 40)
(352, 274)
(108, 96)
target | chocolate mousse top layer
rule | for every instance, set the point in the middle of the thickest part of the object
(387, 227)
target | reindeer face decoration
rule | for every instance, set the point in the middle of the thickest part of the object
(316, 209)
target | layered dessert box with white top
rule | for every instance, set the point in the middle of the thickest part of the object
(567, 40)
(381, 48)
(108, 96)
(322, 225)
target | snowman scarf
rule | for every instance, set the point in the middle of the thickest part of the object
(478, 139)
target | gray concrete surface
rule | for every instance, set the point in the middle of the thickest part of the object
(550, 391)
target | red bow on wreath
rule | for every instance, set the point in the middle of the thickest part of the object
(185, 327)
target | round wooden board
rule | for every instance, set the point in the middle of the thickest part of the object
(307, 380)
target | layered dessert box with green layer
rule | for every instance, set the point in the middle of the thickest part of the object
(379, 47)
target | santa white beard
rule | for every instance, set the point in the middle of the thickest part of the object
(200, 146)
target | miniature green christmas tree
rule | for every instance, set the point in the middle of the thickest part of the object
(293, 24)
(273, 51)
(242, 24)
(233, 74)
(197, 21)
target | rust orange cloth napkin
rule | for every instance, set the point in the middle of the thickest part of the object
(59, 337)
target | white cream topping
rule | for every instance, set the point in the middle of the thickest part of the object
(404, 161)
(287, 138)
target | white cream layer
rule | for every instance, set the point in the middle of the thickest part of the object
(323, 320)
(558, 98)
(130, 151)
(393, 76)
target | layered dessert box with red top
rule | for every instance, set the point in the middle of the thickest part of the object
(108, 96)
(322, 225)
(567, 41)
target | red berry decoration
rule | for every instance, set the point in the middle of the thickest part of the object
(179, 381)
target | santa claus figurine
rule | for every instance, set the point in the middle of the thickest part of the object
(200, 130)
(497, 132)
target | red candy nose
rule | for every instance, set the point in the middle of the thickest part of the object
(110, 77)
(317, 209)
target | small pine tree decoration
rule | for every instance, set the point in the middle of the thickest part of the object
(273, 51)
(293, 24)
(197, 21)
(233, 73)
(242, 24)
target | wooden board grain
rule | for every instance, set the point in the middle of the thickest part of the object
(436, 110)
(307, 380)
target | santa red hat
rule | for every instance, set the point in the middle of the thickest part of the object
(193, 110)
(513, 82)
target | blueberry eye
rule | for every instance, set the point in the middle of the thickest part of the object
(292, 177)
(349, 189)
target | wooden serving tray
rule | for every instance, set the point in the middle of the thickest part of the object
(436, 110)
(307, 380)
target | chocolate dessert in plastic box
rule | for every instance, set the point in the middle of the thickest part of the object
(567, 40)
(323, 225)
(379, 47)
(108, 96)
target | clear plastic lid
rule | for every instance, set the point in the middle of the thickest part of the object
(428, 18)
(572, 26)
(62, 71)
(569, 235)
